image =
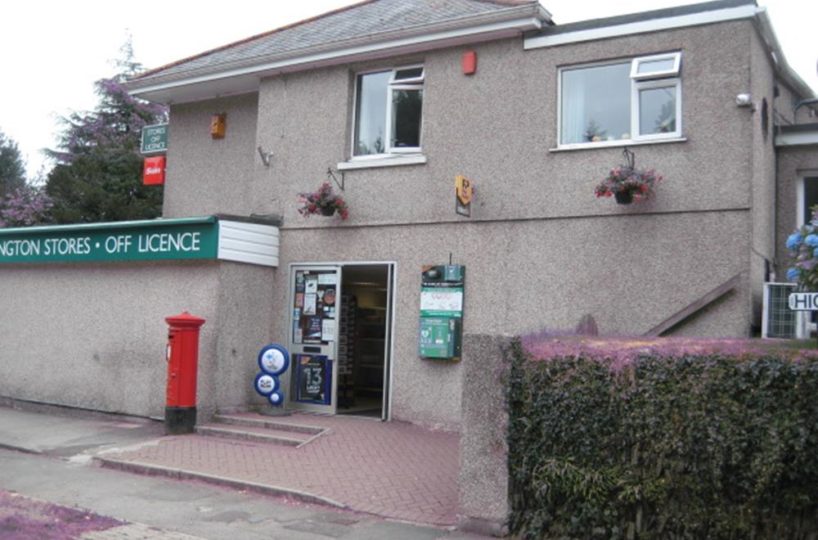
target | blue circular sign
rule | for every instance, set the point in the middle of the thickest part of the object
(266, 384)
(273, 359)
(276, 398)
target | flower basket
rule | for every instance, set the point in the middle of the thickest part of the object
(626, 183)
(323, 202)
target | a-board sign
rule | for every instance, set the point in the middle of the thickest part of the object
(314, 378)
(803, 301)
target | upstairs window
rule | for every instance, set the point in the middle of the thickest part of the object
(388, 111)
(635, 100)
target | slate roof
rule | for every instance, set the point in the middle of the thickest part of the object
(368, 19)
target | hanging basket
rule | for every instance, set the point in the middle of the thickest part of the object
(624, 197)
(328, 211)
(627, 183)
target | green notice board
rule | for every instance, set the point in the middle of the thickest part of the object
(441, 312)
(155, 139)
(171, 239)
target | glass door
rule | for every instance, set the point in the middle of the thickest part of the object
(315, 295)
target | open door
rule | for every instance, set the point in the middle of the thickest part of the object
(315, 293)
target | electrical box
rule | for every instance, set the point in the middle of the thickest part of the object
(441, 312)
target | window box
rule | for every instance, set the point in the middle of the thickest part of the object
(638, 100)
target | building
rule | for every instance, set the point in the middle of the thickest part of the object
(390, 101)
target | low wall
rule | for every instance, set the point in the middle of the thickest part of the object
(93, 335)
(483, 483)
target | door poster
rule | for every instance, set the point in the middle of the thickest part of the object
(314, 377)
(314, 307)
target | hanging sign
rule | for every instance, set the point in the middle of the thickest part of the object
(155, 139)
(153, 171)
(464, 192)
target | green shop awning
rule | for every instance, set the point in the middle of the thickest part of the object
(211, 237)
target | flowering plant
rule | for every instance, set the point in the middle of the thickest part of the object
(803, 248)
(324, 202)
(626, 182)
(24, 207)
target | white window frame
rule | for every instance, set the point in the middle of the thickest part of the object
(413, 83)
(672, 72)
(636, 112)
(655, 79)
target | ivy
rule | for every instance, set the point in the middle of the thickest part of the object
(696, 446)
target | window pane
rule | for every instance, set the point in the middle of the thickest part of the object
(370, 117)
(652, 66)
(596, 104)
(411, 73)
(406, 109)
(657, 110)
(810, 198)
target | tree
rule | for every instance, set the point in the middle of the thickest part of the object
(12, 168)
(98, 176)
(25, 206)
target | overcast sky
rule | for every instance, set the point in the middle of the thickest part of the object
(52, 51)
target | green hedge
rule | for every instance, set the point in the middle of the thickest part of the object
(706, 446)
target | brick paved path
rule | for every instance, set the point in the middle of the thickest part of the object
(390, 469)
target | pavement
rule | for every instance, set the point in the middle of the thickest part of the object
(375, 480)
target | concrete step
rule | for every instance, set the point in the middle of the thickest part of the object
(257, 420)
(255, 433)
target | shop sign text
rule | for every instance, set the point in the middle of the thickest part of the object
(141, 242)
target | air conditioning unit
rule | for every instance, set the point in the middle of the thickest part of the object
(778, 320)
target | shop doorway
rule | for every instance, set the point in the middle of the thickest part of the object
(341, 338)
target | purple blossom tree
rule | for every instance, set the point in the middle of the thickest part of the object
(25, 206)
(98, 176)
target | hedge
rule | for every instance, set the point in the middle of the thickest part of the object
(710, 445)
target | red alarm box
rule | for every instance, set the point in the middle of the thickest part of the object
(153, 171)
(469, 62)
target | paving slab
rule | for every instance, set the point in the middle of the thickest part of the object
(389, 469)
(63, 435)
(154, 508)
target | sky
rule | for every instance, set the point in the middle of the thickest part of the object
(52, 51)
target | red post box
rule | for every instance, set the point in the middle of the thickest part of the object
(183, 360)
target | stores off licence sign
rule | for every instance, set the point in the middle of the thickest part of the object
(129, 241)
(155, 139)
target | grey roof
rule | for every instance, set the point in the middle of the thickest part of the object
(646, 16)
(367, 19)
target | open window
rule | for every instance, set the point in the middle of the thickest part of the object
(388, 112)
(621, 102)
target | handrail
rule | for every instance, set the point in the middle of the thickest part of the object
(695, 307)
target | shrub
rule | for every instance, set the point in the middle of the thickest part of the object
(703, 445)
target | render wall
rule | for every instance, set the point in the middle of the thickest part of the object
(94, 336)
(540, 249)
(210, 176)
(762, 254)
